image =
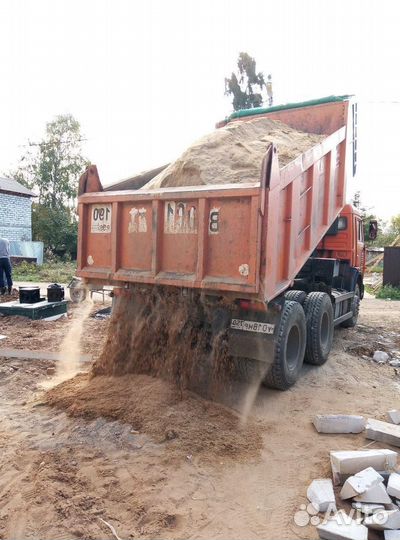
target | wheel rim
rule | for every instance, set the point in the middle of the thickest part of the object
(293, 347)
(324, 331)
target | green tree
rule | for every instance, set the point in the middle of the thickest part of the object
(51, 168)
(395, 224)
(246, 85)
(57, 228)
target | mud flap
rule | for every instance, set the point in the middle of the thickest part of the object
(252, 335)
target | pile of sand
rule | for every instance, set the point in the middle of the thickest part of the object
(187, 423)
(234, 154)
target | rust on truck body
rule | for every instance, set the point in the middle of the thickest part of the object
(246, 239)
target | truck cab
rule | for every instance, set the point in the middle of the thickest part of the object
(345, 239)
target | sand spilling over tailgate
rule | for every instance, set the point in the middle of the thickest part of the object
(161, 331)
(234, 154)
(189, 424)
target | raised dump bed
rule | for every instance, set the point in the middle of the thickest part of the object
(249, 239)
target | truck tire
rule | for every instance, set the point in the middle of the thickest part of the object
(319, 318)
(296, 296)
(290, 344)
(355, 308)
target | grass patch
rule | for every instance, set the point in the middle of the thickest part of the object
(369, 289)
(55, 271)
(376, 269)
(388, 291)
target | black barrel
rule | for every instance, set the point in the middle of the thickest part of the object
(29, 295)
(55, 293)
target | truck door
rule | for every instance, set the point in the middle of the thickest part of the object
(359, 243)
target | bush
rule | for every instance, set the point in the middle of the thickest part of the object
(388, 291)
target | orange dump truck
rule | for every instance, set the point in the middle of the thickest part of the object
(286, 251)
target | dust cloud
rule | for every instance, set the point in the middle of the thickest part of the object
(70, 348)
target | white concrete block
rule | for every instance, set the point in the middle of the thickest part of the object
(320, 493)
(348, 462)
(394, 416)
(393, 487)
(366, 508)
(392, 535)
(383, 520)
(342, 527)
(339, 423)
(360, 482)
(380, 357)
(376, 494)
(382, 431)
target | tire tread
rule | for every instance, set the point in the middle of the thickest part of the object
(276, 377)
(312, 308)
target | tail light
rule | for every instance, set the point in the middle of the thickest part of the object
(248, 305)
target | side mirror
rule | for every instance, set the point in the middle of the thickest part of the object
(373, 229)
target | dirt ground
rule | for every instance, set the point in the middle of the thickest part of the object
(64, 475)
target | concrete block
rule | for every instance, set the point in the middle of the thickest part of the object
(394, 416)
(383, 520)
(380, 357)
(320, 493)
(382, 431)
(366, 508)
(360, 482)
(376, 494)
(339, 423)
(392, 535)
(342, 527)
(393, 487)
(345, 463)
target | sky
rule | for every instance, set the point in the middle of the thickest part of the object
(146, 78)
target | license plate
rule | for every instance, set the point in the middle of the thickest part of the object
(252, 326)
(101, 218)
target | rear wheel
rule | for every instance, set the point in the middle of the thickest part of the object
(319, 317)
(296, 296)
(355, 308)
(290, 343)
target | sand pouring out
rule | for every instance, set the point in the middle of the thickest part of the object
(70, 348)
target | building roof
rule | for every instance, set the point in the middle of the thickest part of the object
(8, 185)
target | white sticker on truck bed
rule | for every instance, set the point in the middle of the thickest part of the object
(252, 326)
(101, 218)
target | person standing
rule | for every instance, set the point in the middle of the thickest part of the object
(5, 266)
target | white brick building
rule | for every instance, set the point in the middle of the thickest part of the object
(15, 210)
